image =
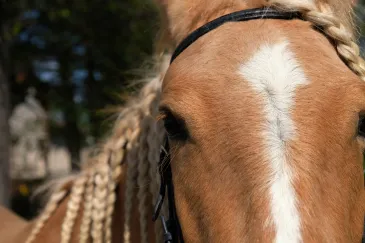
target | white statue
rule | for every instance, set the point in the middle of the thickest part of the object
(28, 129)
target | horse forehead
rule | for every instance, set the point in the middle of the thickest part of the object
(272, 64)
(218, 55)
(274, 69)
(213, 67)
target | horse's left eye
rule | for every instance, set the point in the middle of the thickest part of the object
(361, 126)
(174, 126)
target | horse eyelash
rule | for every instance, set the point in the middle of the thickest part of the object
(161, 116)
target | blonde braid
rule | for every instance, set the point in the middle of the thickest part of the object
(101, 178)
(154, 140)
(109, 211)
(117, 158)
(142, 179)
(129, 185)
(323, 17)
(114, 163)
(73, 206)
(87, 210)
(114, 160)
(49, 209)
(136, 112)
(99, 202)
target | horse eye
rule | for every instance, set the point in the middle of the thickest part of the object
(361, 126)
(175, 127)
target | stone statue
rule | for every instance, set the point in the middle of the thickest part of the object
(28, 129)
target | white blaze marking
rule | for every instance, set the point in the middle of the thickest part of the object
(275, 74)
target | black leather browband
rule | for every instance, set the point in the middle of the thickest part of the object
(244, 15)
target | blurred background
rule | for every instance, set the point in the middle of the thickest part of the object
(65, 66)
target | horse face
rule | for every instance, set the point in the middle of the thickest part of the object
(264, 124)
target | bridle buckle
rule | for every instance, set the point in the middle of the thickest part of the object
(166, 233)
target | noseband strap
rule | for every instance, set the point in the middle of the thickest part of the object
(171, 227)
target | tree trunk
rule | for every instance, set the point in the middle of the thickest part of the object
(92, 94)
(4, 118)
(72, 133)
(4, 140)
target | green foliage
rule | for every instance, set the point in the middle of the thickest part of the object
(79, 55)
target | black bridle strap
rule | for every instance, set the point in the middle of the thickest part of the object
(244, 15)
(171, 227)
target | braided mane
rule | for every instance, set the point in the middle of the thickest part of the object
(136, 138)
(334, 17)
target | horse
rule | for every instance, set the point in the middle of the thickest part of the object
(248, 110)
(263, 105)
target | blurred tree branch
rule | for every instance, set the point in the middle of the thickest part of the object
(103, 41)
(4, 111)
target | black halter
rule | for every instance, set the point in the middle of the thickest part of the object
(171, 227)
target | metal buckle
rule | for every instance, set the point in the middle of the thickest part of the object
(166, 233)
